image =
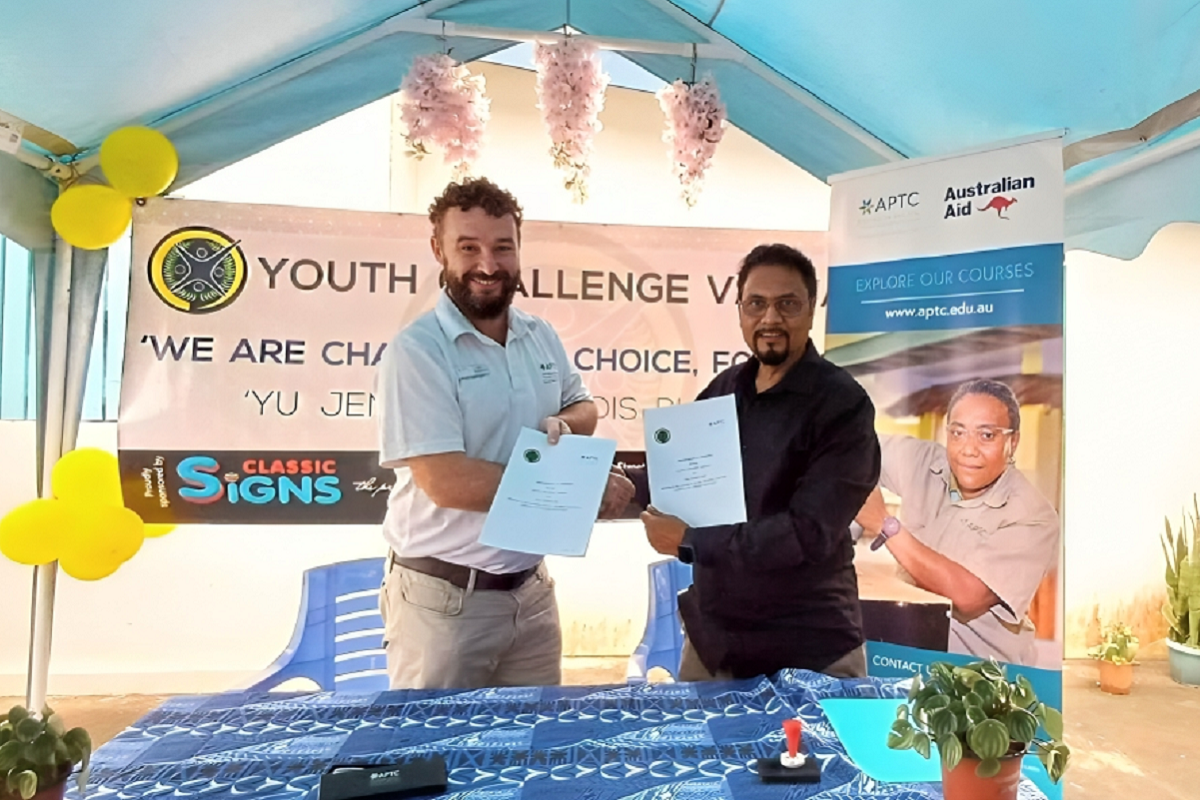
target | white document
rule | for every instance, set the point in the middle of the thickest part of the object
(694, 461)
(549, 496)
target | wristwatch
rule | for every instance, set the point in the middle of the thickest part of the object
(687, 553)
(891, 526)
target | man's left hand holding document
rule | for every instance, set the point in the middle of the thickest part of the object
(551, 494)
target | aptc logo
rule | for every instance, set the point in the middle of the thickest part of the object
(533, 456)
(262, 481)
(197, 270)
(662, 436)
(894, 202)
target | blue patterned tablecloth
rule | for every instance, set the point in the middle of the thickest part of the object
(653, 742)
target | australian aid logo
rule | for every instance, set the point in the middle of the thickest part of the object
(259, 481)
(998, 196)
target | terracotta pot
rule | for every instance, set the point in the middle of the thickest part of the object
(1116, 678)
(54, 792)
(961, 783)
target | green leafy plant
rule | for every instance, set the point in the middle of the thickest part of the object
(976, 712)
(1119, 645)
(37, 752)
(1182, 609)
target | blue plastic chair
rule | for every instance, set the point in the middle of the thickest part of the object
(338, 641)
(662, 643)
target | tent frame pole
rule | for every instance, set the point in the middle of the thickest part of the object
(50, 446)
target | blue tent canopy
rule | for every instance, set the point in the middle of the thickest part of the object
(830, 86)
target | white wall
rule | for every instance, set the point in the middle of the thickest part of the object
(206, 607)
(1131, 425)
(341, 164)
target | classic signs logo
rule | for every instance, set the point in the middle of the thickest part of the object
(261, 481)
(959, 199)
(197, 270)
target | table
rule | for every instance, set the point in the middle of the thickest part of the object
(894, 610)
(878, 579)
(649, 742)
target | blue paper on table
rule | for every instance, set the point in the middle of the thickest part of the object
(862, 726)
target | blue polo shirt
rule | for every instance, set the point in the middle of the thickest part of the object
(444, 387)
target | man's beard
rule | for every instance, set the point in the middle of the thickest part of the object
(768, 355)
(477, 307)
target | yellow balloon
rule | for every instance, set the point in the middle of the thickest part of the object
(91, 216)
(99, 540)
(88, 568)
(138, 162)
(32, 533)
(154, 530)
(127, 533)
(88, 475)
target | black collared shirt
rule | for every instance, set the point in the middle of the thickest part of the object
(780, 590)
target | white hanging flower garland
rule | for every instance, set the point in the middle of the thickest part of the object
(695, 123)
(570, 90)
(443, 106)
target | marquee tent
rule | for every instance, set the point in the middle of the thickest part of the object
(831, 86)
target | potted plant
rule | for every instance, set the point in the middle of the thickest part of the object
(1182, 608)
(983, 724)
(37, 754)
(1115, 654)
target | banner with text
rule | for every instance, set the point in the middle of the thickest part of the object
(254, 332)
(945, 303)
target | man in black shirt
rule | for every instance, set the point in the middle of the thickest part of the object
(779, 590)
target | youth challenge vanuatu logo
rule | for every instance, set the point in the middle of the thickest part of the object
(197, 270)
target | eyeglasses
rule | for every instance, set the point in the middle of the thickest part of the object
(788, 307)
(984, 434)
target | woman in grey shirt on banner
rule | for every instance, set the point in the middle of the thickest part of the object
(973, 528)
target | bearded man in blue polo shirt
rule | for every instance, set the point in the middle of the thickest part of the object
(455, 388)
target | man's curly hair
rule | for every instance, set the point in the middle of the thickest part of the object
(474, 193)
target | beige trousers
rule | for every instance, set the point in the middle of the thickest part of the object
(692, 669)
(438, 636)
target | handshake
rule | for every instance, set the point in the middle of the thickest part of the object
(664, 532)
(619, 492)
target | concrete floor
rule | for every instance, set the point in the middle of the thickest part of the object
(1144, 745)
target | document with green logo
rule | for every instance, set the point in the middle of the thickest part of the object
(549, 496)
(694, 461)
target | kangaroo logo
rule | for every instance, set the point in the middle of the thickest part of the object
(999, 203)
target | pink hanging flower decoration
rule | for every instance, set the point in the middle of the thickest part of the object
(442, 106)
(570, 90)
(696, 121)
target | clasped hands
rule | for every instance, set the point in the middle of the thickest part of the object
(618, 494)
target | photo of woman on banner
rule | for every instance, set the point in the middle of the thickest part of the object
(971, 527)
